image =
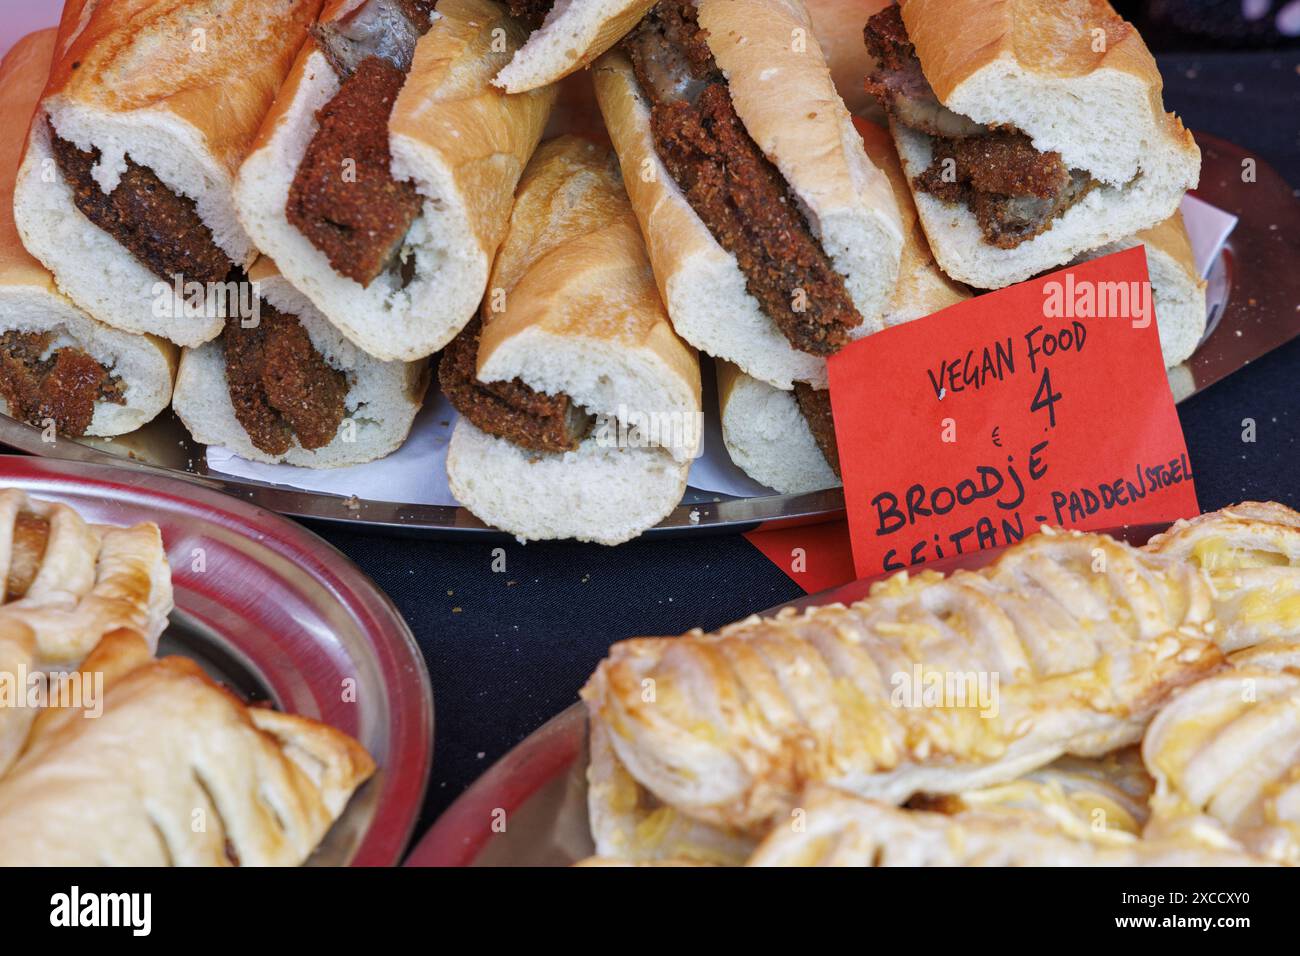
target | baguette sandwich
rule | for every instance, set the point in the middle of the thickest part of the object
(58, 365)
(786, 439)
(1030, 132)
(775, 239)
(381, 181)
(567, 35)
(1177, 288)
(580, 407)
(290, 388)
(124, 192)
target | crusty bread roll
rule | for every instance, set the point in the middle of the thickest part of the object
(1176, 285)
(574, 33)
(381, 403)
(30, 302)
(463, 142)
(762, 427)
(579, 315)
(1036, 65)
(767, 435)
(168, 749)
(838, 24)
(179, 88)
(783, 93)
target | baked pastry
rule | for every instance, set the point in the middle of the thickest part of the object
(630, 824)
(1251, 553)
(833, 828)
(173, 771)
(72, 582)
(1094, 799)
(66, 584)
(1225, 755)
(1067, 644)
(56, 362)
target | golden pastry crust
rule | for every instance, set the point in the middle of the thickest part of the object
(833, 828)
(67, 583)
(1099, 799)
(1251, 553)
(91, 579)
(1225, 755)
(174, 771)
(1080, 639)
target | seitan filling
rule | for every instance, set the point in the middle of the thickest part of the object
(735, 190)
(280, 386)
(1014, 191)
(509, 410)
(815, 405)
(31, 535)
(40, 383)
(343, 198)
(161, 229)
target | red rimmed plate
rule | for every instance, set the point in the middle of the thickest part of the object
(277, 614)
(530, 808)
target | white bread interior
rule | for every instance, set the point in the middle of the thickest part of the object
(129, 81)
(381, 403)
(845, 198)
(29, 299)
(768, 437)
(602, 494)
(1033, 65)
(580, 316)
(145, 364)
(1177, 288)
(464, 144)
(573, 34)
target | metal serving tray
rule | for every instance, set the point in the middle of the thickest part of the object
(1254, 288)
(277, 615)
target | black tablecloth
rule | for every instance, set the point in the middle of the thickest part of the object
(506, 651)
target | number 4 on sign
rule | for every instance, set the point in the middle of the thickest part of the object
(1046, 398)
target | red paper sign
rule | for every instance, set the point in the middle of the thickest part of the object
(1043, 403)
(814, 556)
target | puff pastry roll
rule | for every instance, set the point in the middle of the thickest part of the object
(1094, 799)
(833, 828)
(1066, 645)
(72, 582)
(1225, 755)
(174, 771)
(629, 824)
(1251, 553)
(66, 584)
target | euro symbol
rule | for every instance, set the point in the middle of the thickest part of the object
(997, 439)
